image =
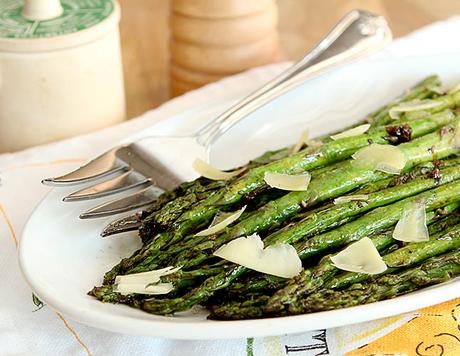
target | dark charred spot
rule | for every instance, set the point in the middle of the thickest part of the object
(399, 133)
(404, 178)
(437, 163)
(370, 141)
(285, 223)
(144, 214)
(445, 130)
(435, 173)
(254, 194)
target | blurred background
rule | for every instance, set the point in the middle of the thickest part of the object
(145, 35)
(63, 76)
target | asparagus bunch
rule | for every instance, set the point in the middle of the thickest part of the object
(427, 88)
(325, 274)
(305, 219)
(281, 297)
(435, 270)
(201, 213)
(324, 219)
(353, 231)
(432, 271)
(348, 175)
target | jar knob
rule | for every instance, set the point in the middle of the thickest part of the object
(41, 9)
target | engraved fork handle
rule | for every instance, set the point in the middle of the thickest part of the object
(357, 34)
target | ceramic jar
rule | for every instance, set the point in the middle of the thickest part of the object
(60, 70)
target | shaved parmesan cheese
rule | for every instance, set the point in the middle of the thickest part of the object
(305, 140)
(414, 105)
(385, 158)
(349, 198)
(454, 89)
(456, 138)
(278, 260)
(411, 227)
(358, 130)
(292, 182)
(361, 257)
(144, 282)
(140, 288)
(221, 221)
(417, 115)
(436, 89)
(146, 277)
(296, 148)
(210, 172)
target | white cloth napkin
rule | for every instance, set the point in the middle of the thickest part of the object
(28, 329)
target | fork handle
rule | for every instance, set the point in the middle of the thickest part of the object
(357, 34)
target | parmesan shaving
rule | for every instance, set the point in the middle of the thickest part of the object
(208, 171)
(221, 221)
(414, 105)
(144, 282)
(454, 89)
(349, 198)
(358, 130)
(278, 260)
(305, 140)
(411, 227)
(436, 89)
(146, 277)
(417, 115)
(139, 288)
(455, 140)
(385, 158)
(298, 182)
(360, 257)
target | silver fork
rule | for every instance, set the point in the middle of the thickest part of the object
(130, 166)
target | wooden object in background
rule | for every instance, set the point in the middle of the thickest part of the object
(145, 35)
(211, 39)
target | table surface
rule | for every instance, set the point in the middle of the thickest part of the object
(302, 23)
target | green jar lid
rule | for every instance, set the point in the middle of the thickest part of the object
(77, 15)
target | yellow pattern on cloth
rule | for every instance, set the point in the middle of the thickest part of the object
(387, 322)
(432, 331)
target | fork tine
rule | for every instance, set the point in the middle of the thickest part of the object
(127, 180)
(102, 165)
(128, 223)
(133, 201)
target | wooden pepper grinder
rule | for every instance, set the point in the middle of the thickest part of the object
(212, 39)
